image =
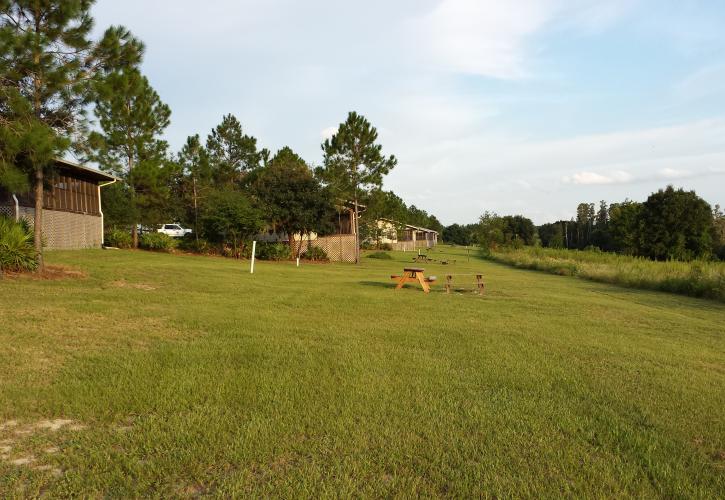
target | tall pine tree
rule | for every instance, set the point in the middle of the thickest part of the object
(132, 117)
(47, 62)
(354, 163)
(232, 153)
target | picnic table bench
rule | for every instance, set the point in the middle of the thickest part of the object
(479, 285)
(413, 275)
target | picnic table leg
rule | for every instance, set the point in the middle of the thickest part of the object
(402, 280)
(480, 284)
(423, 284)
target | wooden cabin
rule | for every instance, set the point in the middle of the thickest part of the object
(72, 214)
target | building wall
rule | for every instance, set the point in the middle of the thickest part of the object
(64, 230)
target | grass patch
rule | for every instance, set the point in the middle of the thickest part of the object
(177, 375)
(696, 279)
(380, 256)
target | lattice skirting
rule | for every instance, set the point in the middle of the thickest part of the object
(339, 248)
(412, 245)
(64, 230)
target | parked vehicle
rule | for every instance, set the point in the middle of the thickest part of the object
(174, 230)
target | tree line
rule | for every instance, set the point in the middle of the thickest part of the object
(228, 188)
(672, 224)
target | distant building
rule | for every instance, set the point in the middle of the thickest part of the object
(72, 214)
(406, 236)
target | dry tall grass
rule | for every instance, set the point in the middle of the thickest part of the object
(697, 278)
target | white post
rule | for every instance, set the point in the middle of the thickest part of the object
(298, 262)
(254, 249)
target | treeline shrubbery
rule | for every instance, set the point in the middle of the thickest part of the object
(672, 224)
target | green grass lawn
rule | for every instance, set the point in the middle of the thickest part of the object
(162, 375)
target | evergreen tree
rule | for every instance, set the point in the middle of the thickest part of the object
(354, 163)
(45, 59)
(132, 117)
(232, 154)
(195, 178)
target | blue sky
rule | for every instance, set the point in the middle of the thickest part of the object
(518, 107)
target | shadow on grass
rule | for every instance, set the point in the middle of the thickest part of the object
(378, 284)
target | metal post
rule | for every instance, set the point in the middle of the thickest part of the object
(254, 249)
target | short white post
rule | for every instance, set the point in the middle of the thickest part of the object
(298, 262)
(254, 249)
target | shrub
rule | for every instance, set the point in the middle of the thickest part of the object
(157, 241)
(386, 246)
(381, 256)
(16, 246)
(315, 253)
(190, 243)
(118, 238)
(273, 251)
(367, 245)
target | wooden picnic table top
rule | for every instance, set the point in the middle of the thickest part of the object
(413, 269)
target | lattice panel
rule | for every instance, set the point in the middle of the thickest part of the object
(340, 248)
(63, 230)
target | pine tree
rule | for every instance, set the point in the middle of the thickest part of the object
(193, 160)
(132, 117)
(47, 62)
(232, 154)
(354, 163)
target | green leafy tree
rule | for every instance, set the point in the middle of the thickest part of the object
(676, 224)
(490, 231)
(457, 234)
(624, 226)
(718, 232)
(132, 117)
(354, 164)
(294, 200)
(232, 153)
(47, 62)
(379, 205)
(229, 218)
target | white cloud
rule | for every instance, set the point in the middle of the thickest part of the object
(328, 132)
(587, 178)
(485, 37)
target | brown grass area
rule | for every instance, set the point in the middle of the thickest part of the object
(48, 273)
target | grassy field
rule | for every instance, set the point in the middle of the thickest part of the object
(162, 375)
(696, 279)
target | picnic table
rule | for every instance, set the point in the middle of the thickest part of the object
(478, 284)
(413, 275)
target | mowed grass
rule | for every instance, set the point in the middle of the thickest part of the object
(163, 375)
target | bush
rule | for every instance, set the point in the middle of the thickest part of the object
(157, 241)
(386, 246)
(381, 256)
(118, 238)
(315, 253)
(272, 251)
(190, 243)
(16, 246)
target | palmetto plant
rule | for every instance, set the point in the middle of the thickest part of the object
(16, 246)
